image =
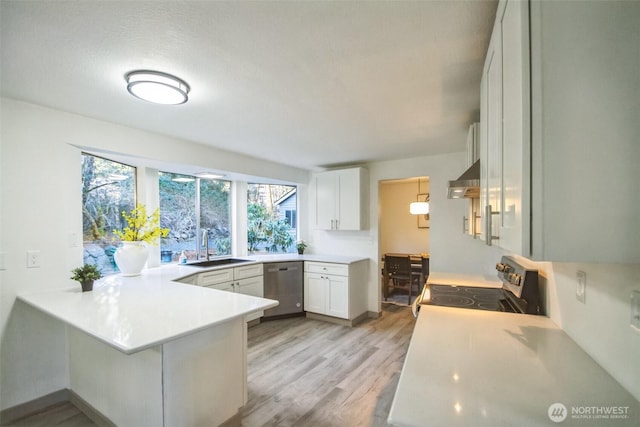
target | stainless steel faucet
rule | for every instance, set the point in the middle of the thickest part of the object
(205, 242)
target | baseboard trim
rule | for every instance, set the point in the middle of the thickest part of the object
(10, 415)
(234, 421)
(92, 413)
(374, 314)
(338, 320)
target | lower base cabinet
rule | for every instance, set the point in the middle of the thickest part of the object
(327, 294)
(336, 290)
(246, 280)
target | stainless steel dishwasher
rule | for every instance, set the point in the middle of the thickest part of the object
(283, 282)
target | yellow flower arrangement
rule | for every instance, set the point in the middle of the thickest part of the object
(142, 228)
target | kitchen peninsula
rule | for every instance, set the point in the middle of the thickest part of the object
(147, 351)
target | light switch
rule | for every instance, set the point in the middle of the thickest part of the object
(581, 287)
(33, 259)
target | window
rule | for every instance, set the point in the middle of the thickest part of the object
(108, 188)
(271, 218)
(189, 205)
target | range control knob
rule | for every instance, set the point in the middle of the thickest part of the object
(514, 279)
(503, 267)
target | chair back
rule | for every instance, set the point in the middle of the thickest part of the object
(397, 265)
(425, 266)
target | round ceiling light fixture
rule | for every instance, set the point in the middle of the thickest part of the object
(157, 87)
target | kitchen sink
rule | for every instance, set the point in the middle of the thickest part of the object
(217, 262)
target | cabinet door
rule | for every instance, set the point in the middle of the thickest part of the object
(348, 203)
(337, 298)
(514, 231)
(325, 185)
(253, 286)
(314, 293)
(491, 163)
(226, 286)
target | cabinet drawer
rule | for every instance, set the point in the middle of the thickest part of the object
(216, 276)
(327, 268)
(248, 271)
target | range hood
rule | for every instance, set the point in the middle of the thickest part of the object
(468, 185)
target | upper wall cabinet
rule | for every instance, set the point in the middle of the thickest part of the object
(340, 199)
(559, 143)
(491, 138)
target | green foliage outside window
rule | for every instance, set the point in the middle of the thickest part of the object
(108, 189)
(187, 206)
(268, 228)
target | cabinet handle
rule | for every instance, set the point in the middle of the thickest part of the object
(488, 219)
(337, 224)
(473, 226)
(465, 220)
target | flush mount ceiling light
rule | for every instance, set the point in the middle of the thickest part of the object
(157, 87)
(183, 179)
(208, 175)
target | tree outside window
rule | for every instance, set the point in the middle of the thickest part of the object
(187, 206)
(271, 218)
(108, 188)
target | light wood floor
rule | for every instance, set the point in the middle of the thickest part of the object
(306, 372)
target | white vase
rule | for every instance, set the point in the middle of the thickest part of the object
(131, 258)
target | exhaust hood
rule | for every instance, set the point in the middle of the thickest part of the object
(468, 185)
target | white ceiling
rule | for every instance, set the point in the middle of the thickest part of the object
(307, 83)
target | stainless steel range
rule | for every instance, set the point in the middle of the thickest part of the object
(515, 290)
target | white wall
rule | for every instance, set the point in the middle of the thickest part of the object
(399, 232)
(601, 325)
(41, 210)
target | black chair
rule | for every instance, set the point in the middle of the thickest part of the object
(424, 272)
(397, 275)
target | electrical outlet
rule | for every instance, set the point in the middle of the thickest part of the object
(581, 287)
(635, 310)
(73, 240)
(33, 259)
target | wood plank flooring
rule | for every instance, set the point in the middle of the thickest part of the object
(306, 372)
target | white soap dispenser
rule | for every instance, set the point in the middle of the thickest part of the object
(183, 258)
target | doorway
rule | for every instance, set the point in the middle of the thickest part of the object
(400, 231)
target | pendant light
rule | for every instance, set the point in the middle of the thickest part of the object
(157, 87)
(419, 207)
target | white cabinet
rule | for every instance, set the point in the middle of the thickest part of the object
(246, 280)
(491, 138)
(336, 290)
(512, 220)
(327, 294)
(559, 159)
(340, 199)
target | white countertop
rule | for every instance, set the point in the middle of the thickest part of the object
(474, 367)
(136, 313)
